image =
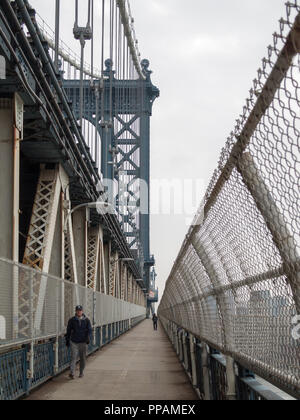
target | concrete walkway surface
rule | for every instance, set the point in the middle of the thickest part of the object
(140, 365)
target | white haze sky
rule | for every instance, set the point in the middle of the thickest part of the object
(204, 55)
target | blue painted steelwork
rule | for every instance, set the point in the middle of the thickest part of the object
(98, 337)
(248, 387)
(104, 335)
(64, 354)
(13, 373)
(14, 365)
(246, 392)
(43, 363)
(189, 359)
(199, 368)
(109, 333)
(113, 331)
(218, 376)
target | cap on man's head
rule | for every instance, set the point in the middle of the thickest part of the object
(79, 308)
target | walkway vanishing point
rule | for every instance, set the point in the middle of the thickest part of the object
(140, 365)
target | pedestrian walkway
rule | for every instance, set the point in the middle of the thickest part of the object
(140, 365)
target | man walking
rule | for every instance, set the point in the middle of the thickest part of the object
(79, 333)
(155, 319)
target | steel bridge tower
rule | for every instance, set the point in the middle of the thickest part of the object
(122, 119)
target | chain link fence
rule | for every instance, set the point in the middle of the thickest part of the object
(236, 281)
(35, 306)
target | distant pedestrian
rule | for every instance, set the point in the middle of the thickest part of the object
(155, 320)
(79, 333)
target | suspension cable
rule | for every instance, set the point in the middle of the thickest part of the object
(92, 44)
(127, 22)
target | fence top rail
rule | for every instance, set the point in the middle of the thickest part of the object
(262, 390)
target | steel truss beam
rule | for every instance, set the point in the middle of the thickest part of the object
(40, 241)
(93, 257)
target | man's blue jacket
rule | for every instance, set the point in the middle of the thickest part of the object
(79, 330)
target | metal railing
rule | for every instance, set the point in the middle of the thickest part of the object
(46, 304)
(31, 365)
(33, 324)
(208, 371)
(236, 281)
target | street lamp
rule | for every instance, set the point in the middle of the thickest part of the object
(96, 205)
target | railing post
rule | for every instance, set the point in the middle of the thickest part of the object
(175, 338)
(103, 335)
(94, 308)
(30, 360)
(177, 341)
(58, 326)
(174, 335)
(185, 355)
(231, 379)
(30, 351)
(56, 355)
(205, 372)
(180, 343)
(94, 342)
(193, 360)
(242, 394)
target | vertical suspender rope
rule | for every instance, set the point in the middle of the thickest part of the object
(117, 68)
(57, 18)
(76, 13)
(111, 79)
(103, 91)
(89, 14)
(92, 45)
(82, 44)
(94, 139)
(102, 61)
(97, 125)
(111, 59)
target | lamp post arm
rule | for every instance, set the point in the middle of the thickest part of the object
(89, 205)
(70, 212)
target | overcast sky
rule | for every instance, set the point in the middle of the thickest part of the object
(204, 56)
